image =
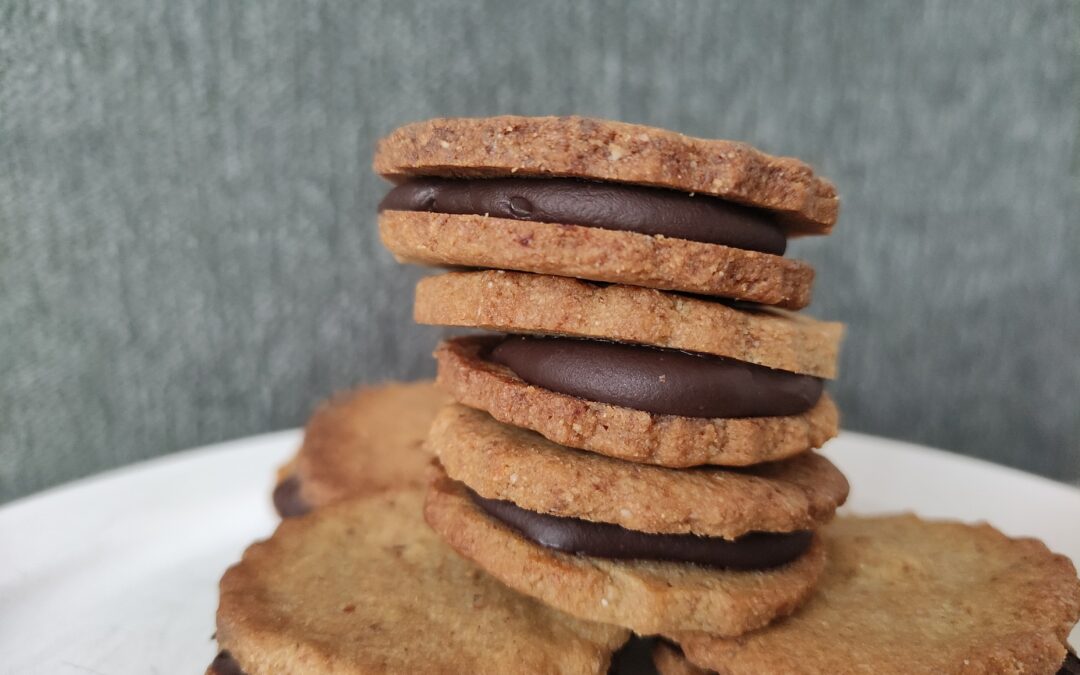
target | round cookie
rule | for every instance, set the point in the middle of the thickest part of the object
(516, 302)
(502, 462)
(906, 596)
(365, 587)
(596, 254)
(626, 433)
(611, 151)
(647, 596)
(361, 442)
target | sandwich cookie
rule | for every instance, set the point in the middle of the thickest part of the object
(358, 443)
(631, 544)
(756, 395)
(602, 200)
(364, 586)
(907, 596)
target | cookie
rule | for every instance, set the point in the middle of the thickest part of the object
(502, 462)
(596, 254)
(611, 151)
(365, 587)
(514, 302)
(647, 596)
(669, 660)
(904, 595)
(358, 443)
(623, 432)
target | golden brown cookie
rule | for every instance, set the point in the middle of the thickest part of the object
(613, 151)
(502, 462)
(647, 596)
(365, 587)
(596, 254)
(515, 302)
(625, 433)
(902, 595)
(361, 442)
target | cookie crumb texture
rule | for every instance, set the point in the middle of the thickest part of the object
(625, 433)
(596, 254)
(906, 596)
(647, 597)
(366, 587)
(597, 149)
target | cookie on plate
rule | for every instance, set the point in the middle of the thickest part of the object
(364, 586)
(360, 442)
(904, 595)
(645, 547)
(602, 200)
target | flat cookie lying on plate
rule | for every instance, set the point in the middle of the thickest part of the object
(640, 546)
(604, 201)
(358, 443)
(365, 587)
(902, 595)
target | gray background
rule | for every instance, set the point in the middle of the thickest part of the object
(188, 247)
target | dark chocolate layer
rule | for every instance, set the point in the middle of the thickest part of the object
(225, 664)
(660, 381)
(754, 551)
(287, 499)
(1071, 665)
(611, 206)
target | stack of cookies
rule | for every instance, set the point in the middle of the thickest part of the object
(631, 442)
(634, 446)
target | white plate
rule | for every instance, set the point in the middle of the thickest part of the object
(118, 573)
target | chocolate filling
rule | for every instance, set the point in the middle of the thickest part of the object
(287, 499)
(1071, 665)
(660, 381)
(610, 206)
(225, 664)
(754, 551)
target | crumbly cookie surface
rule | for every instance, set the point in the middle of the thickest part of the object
(904, 595)
(499, 461)
(517, 302)
(625, 433)
(366, 441)
(616, 151)
(366, 587)
(596, 254)
(648, 597)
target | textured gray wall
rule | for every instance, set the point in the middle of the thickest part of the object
(188, 248)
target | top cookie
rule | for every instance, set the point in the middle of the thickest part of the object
(906, 596)
(611, 151)
(366, 587)
(361, 442)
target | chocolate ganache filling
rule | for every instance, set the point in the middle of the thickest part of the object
(659, 381)
(1071, 666)
(754, 551)
(610, 206)
(288, 501)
